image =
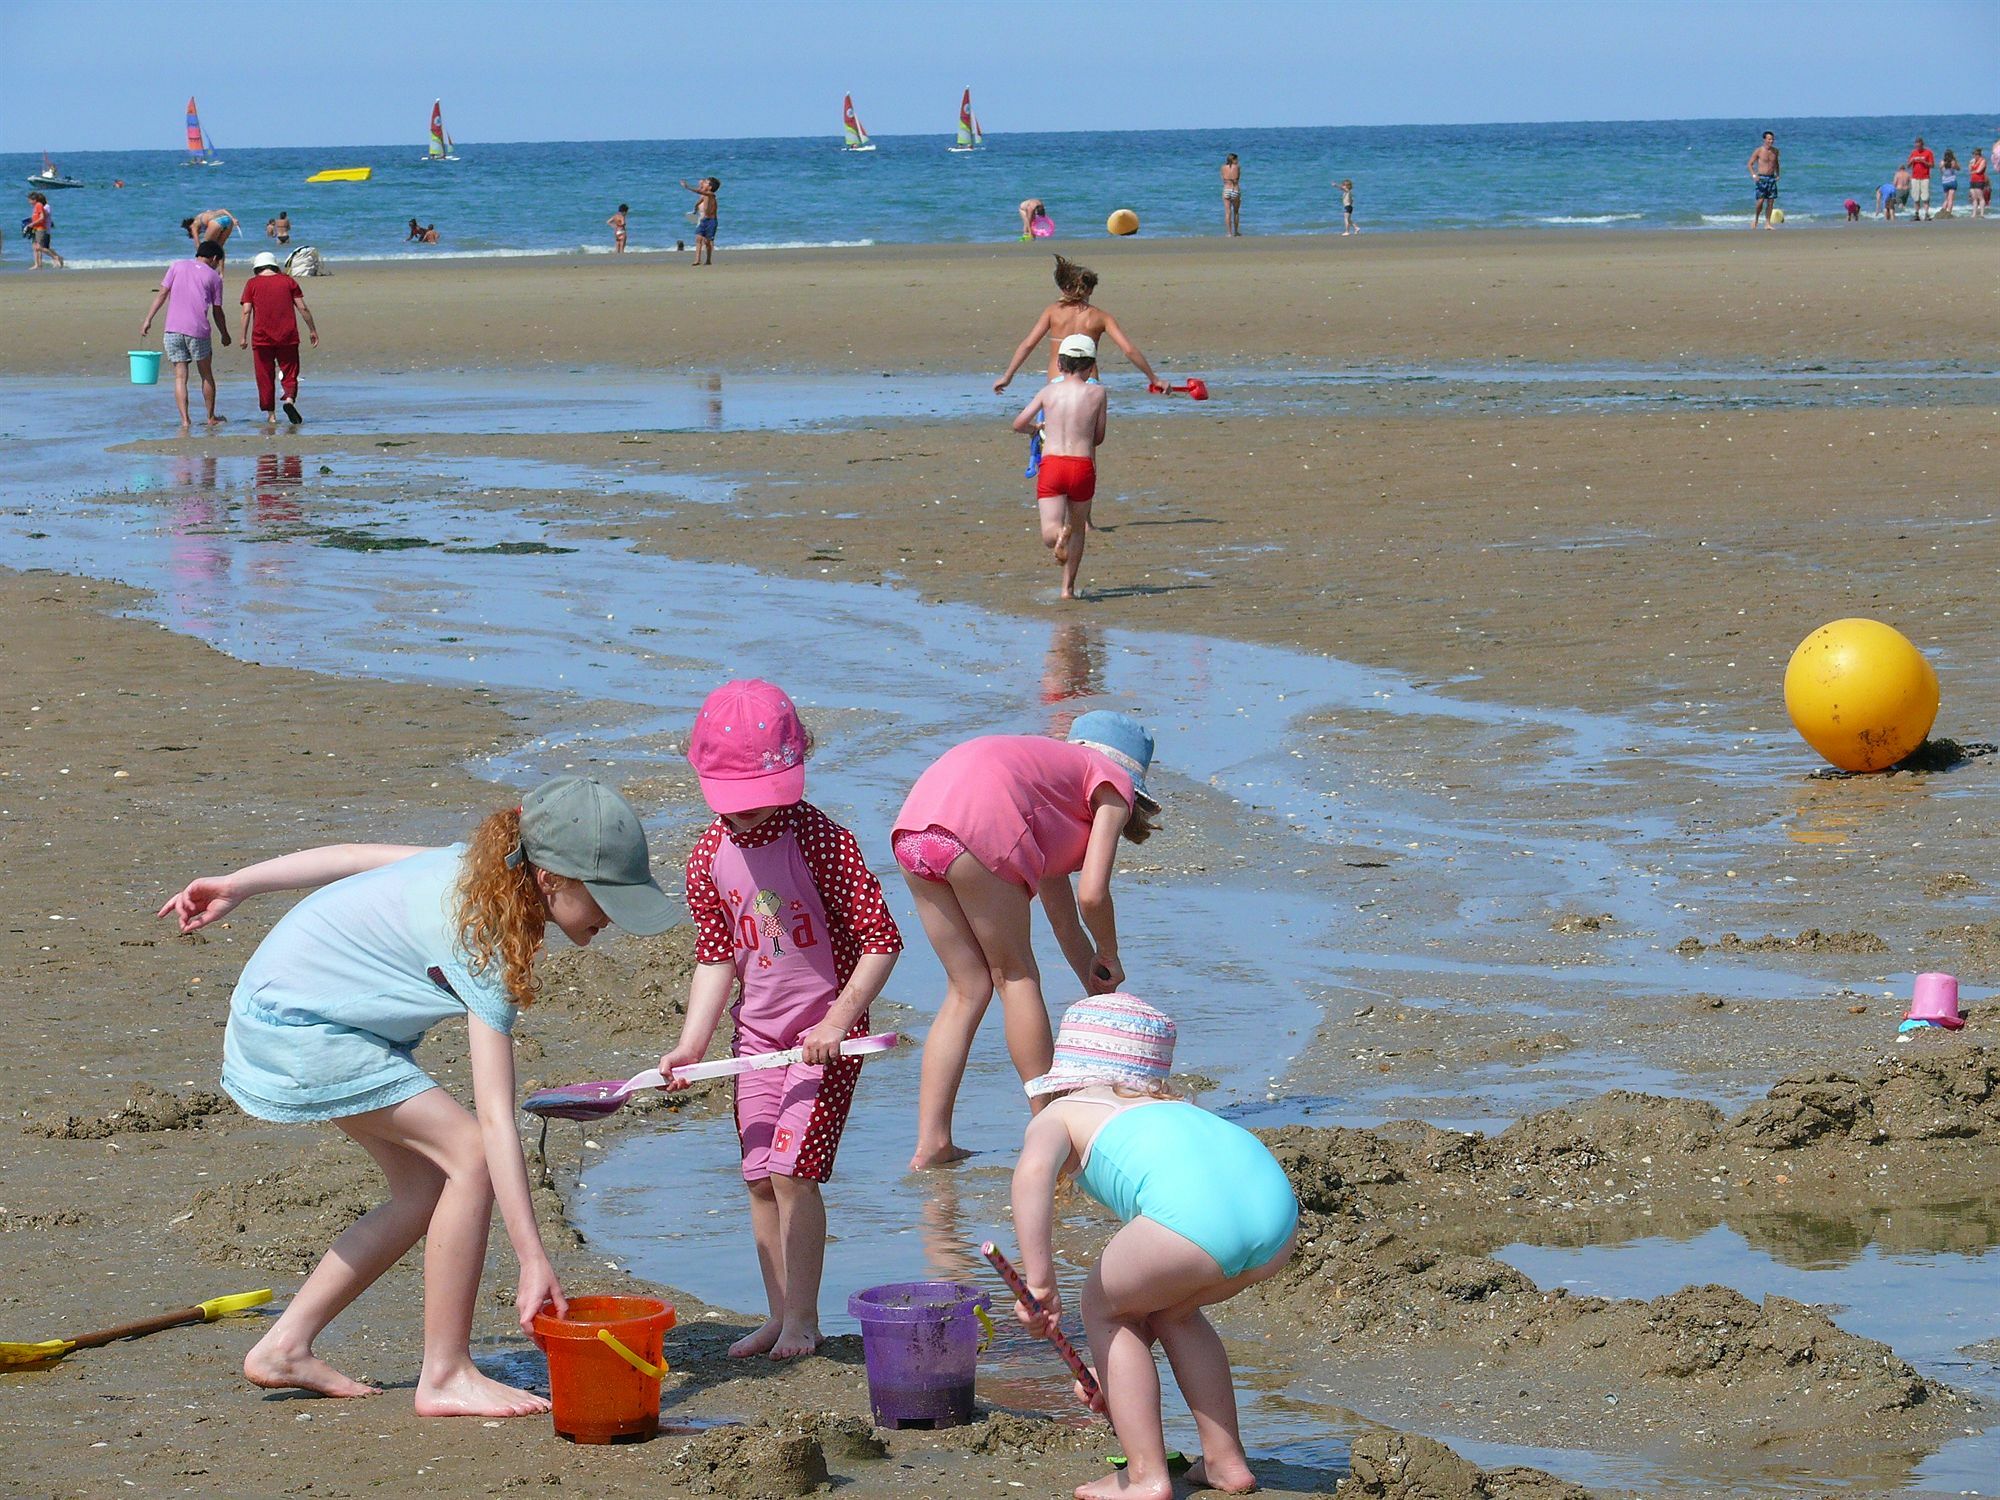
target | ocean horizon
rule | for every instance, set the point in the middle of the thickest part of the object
(542, 198)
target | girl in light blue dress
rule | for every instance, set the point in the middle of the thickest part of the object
(1207, 1209)
(393, 940)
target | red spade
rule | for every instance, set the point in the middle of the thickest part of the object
(1195, 388)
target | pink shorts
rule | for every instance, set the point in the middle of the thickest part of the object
(927, 854)
(789, 1120)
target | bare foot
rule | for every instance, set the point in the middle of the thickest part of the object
(468, 1393)
(276, 1371)
(795, 1343)
(1061, 548)
(216, 421)
(937, 1156)
(1116, 1486)
(1230, 1476)
(761, 1341)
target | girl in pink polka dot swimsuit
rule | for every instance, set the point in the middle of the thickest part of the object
(788, 919)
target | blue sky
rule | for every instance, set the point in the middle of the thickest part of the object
(116, 73)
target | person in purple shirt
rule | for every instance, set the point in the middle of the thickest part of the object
(191, 291)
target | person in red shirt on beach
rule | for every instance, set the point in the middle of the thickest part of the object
(271, 334)
(1921, 162)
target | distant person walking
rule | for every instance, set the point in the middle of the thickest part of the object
(41, 227)
(1347, 224)
(1232, 195)
(280, 228)
(1921, 162)
(212, 226)
(1763, 167)
(1978, 186)
(273, 303)
(617, 223)
(1948, 183)
(191, 291)
(705, 218)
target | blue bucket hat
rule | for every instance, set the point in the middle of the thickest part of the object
(1122, 740)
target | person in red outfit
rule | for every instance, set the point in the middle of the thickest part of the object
(1922, 160)
(272, 305)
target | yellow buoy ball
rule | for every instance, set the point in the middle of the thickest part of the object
(1123, 221)
(1860, 694)
(1777, 216)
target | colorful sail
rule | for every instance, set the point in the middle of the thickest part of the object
(857, 135)
(965, 141)
(978, 135)
(439, 145)
(196, 146)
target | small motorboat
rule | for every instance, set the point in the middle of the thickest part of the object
(51, 177)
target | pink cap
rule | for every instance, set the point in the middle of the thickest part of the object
(1935, 999)
(749, 748)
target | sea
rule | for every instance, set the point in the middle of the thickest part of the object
(553, 197)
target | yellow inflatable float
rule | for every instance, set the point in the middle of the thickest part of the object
(1860, 694)
(343, 174)
(1123, 221)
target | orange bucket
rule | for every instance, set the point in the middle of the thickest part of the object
(605, 1363)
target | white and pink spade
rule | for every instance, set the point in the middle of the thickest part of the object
(593, 1101)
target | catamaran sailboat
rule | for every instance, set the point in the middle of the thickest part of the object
(970, 137)
(850, 123)
(201, 148)
(50, 177)
(441, 143)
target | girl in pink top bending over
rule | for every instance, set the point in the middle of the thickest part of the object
(994, 823)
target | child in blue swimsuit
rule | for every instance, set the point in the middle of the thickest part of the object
(1207, 1211)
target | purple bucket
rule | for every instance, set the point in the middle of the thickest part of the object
(921, 1343)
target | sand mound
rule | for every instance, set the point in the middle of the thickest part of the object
(763, 1462)
(1405, 1466)
(285, 1219)
(146, 1109)
(1812, 940)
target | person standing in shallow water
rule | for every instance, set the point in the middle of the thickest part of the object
(1232, 195)
(994, 825)
(1763, 168)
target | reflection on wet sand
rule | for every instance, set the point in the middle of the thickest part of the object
(1072, 669)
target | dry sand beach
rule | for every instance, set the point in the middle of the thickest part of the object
(1523, 761)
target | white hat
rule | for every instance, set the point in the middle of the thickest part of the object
(265, 261)
(1078, 345)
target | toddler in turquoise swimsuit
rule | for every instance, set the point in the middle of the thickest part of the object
(1207, 1211)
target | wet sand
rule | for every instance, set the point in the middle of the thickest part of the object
(1657, 565)
(1193, 306)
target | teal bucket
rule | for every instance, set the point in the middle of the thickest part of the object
(145, 366)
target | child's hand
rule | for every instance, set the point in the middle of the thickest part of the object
(1041, 1324)
(536, 1289)
(1106, 976)
(822, 1043)
(684, 1052)
(201, 902)
(1000, 385)
(1092, 1399)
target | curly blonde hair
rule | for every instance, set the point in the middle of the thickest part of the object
(501, 913)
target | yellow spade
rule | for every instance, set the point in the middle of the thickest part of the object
(16, 1356)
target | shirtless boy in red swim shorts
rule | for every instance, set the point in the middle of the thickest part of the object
(1071, 409)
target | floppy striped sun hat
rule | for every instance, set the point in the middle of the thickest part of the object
(1109, 1039)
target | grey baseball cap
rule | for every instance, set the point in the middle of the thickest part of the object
(577, 827)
